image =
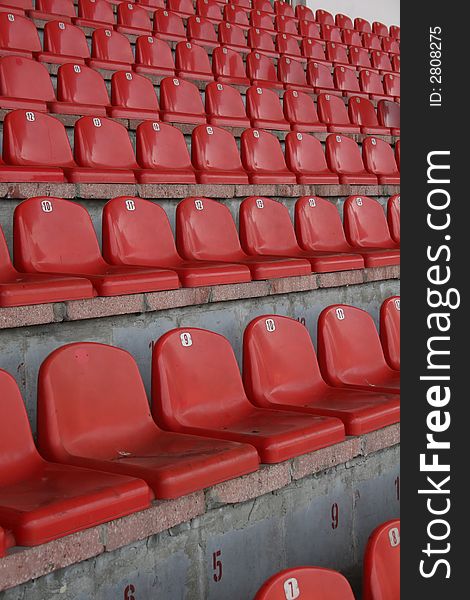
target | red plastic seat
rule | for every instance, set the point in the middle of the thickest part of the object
(390, 330)
(48, 10)
(283, 8)
(291, 73)
(393, 217)
(392, 84)
(153, 56)
(224, 106)
(324, 17)
(236, 15)
(245, 4)
(228, 67)
(151, 5)
(314, 50)
(64, 43)
(168, 26)
(350, 353)
(304, 12)
(35, 148)
(110, 50)
(210, 10)
(397, 153)
(133, 97)
(395, 31)
(289, 46)
(381, 569)
(371, 84)
(232, 36)
(261, 71)
(184, 8)
(359, 58)
(188, 396)
(80, 91)
(381, 61)
(309, 29)
(264, 109)
(18, 36)
(337, 54)
(261, 20)
(301, 112)
(94, 13)
(85, 389)
(362, 113)
(371, 41)
(343, 21)
(379, 159)
(285, 25)
(305, 158)
(379, 28)
(331, 34)
(205, 230)
(263, 159)
(201, 31)
(133, 19)
(390, 45)
(396, 63)
(346, 80)
(22, 289)
(334, 114)
(138, 232)
(52, 235)
(17, 7)
(162, 153)
(362, 25)
(344, 158)
(192, 62)
(280, 371)
(263, 6)
(262, 41)
(352, 38)
(266, 229)
(24, 83)
(42, 501)
(366, 229)
(320, 78)
(180, 101)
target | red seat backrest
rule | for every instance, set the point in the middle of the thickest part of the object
(371, 82)
(200, 28)
(365, 223)
(319, 75)
(65, 39)
(180, 96)
(81, 85)
(224, 101)
(235, 14)
(153, 52)
(259, 39)
(96, 10)
(132, 15)
(390, 330)
(379, 157)
(56, 7)
(214, 148)
(18, 33)
(362, 112)
(132, 90)
(343, 155)
(107, 44)
(393, 217)
(304, 154)
(231, 34)
(382, 563)
(228, 63)
(332, 110)
(261, 152)
(161, 146)
(168, 23)
(25, 78)
(291, 71)
(260, 67)
(389, 113)
(263, 103)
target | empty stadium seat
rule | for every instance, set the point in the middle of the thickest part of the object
(360, 58)
(281, 371)
(133, 19)
(94, 14)
(228, 67)
(263, 159)
(344, 158)
(266, 229)
(371, 84)
(390, 45)
(263, 6)
(184, 8)
(362, 25)
(153, 56)
(133, 97)
(48, 10)
(262, 41)
(397, 153)
(162, 154)
(189, 396)
(85, 389)
(381, 569)
(236, 15)
(52, 235)
(380, 60)
(379, 28)
(284, 25)
(224, 106)
(110, 50)
(337, 54)
(396, 63)
(291, 73)
(301, 112)
(324, 17)
(289, 46)
(210, 10)
(151, 5)
(201, 31)
(352, 38)
(395, 31)
(362, 113)
(180, 101)
(80, 91)
(390, 330)
(63, 43)
(138, 232)
(24, 83)
(232, 36)
(263, 107)
(261, 20)
(314, 50)
(309, 30)
(350, 353)
(168, 26)
(205, 230)
(366, 229)
(18, 36)
(392, 85)
(192, 62)
(379, 159)
(346, 80)
(261, 71)
(305, 158)
(320, 78)
(343, 21)
(215, 156)
(304, 12)
(331, 33)
(17, 7)
(393, 217)
(334, 114)
(283, 8)
(371, 41)
(42, 501)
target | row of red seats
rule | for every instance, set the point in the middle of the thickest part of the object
(381, 574)
(36, 148)
(57, 254)
(94, 420)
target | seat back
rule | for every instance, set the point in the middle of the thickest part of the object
(200, 28)
(362, 25)
(379, 157)
(180, 96)
(319, 75)
(56, 7)
(309, 29)
(312, 49)
(261, 152)
(365, 224)
(304, 154)
(352, 38)
(382, 563)
(371, 41)
(381, 60)
(236, 15)
(286, 25)
(65, 39)
(318, 225)
(379, 28)
(299, 107)
(107, 44)
(390, 330)
(52, 235)
(337, 53)
(182, 6)
(132, 15)
(395, 31)
(96, 10)
(192, 58)
(263, 103)
(287, 44)
(314, 583)
(343, 155)
(209, 9)
(389, 113)
(81, 85)
(362, 112)
(263, 6)
(224, 101)
(304, 12)
(397, 153)
(324, 17)
(389, 44)
(261, 20)
(343, 21)
(393, 217)
(187, 388)
(392, 84)
(228, 63)
(161, 146)
(168, 24)
(291, 71)
(260, 67)
(346, 79)
(359, 57)
(214, 149)
(259, 39)
(371, 82)
(331, 33)
(332, 110)
(153, 52)
(131, 90)
(18, 33)
(25, 78)
(284, 9)
(231, 35)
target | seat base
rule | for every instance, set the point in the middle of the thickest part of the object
(275, 177)
(358, 179)
(375, 130)
(22, 103)
(275, 267)
(59, 59)
(380, 257)
(157, 176)
(389, 179)
(172, 117)
(273, 85)
(317, 178)
(203, 273)
(14, 174)
(69, 108)
(195, 75)
(149, 70)
(118, 112)
(222, 177)
(233, 80)
(267, 124)
(220, 121)
(309, 127)
(108, 65)
(88, 175)
(344, 129)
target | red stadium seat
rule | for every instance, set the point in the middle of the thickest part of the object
(331, 34)
(24, 83)
(52, 235)
(395, 31)
(381, 569)
(366, 229)
(184, 8)
(280, 371)
(283, 9)
(305, 158)
(289, 46)
(42, 501)
(236, 15)
(266, 229)
(18, 36)
(210, 10)
(94, 13)
(263, 159)
(18, 7)
(151, 5)
(291, 73)
(313, 50)
(63, 43)
(352, 38)
(362, 113)
(245, 4)
(379, 28)
(232, 36)
(85, 389)
(397, 153)
(324, 17)
(263, 6)
(110, 50)
(261, 20)
(35, 148)
(393, 217)
(396, 63)
(133, 19)
(381, 61)
(188, 396)
(215, 156)
(390, 330)
(205, 230)
(334, 114)
(371, 84)
(162, 153)
(337, 54)
(392, 84)
(168, 26)
(153, 56)
(362, 25)
(80, 91)
(48, 10)
(264, 109)
(192, 62)
(390, 45)
(359, 58)
(309, 30)
(379, 159)
(137, 232)
(201, 31)
(228, 67)
(180, 101)
(346, 80)
(133, 97)
(261, 71)
(224, 106)
(262, 41)
(320, 78)
(350, 353)
(343, 21)
(371, 41)
(22, 289)
(344, 158)
(301, 112)
(285, 25)
(303, 12)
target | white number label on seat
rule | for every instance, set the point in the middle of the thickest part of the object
(199, 204)
(270, 325)
(46, 206)
(397, 303)
(209, 130)
(256, 133)
(338, 138)
(11, 17)
(340, 314)
(186, 339)
(176, 81)
(291, 589)
(394, 537)
(312, 203)
(61, 25)
(129, 76)
(107, 33)
(259, 203)
(300, 137)
(220, 87)
(130, 205)
(30, 116)
(156, 126)
(77, 68)
(97, 122)
(150, 39)
(359, 201)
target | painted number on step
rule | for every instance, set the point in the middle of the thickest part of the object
(291, 588)
(129, 592)
(217, 565)
(334, 516)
